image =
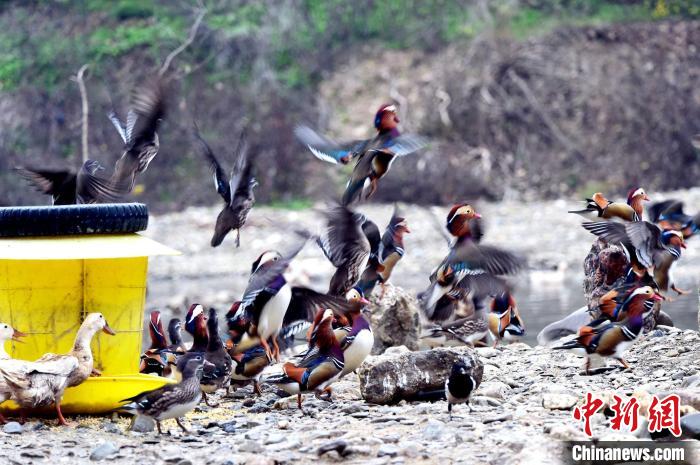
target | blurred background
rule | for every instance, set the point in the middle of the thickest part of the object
(531, 106)
(526, 99)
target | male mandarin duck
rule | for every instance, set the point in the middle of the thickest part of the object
(260, 314)
(248, 366)
(346, 246)
(172, 400)
(236, 190)
(322, 366)
(459, 385)
(600, 207)
(42, 383)
(669, 214)
(648, 248)
(175, 335)
(612, 340)
(139, 133)
(385, 253)
(7, 333)
(196, 326)
(158, 358)
(614, 304)
(66, 187)
(217, 355)
(470, 269)
(374, 156)
(504, 319)
(463, 222)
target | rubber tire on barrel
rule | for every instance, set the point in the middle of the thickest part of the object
(108, 218)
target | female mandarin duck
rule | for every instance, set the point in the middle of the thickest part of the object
(41, 383)
(385, 253)
(322, 366)
(175, 335)
(7, 333)
(374, 156)
(217, 355)
(600, 207)
(612, 340)
(504, 319)
(236, 190)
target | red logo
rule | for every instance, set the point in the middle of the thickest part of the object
(665, 414)
(624, 414)
(586, 411)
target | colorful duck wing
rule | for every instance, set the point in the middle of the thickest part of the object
(306, 302)
(472, 257)
(326, 149)
(405, 144)
(646, 239)
(323, 372)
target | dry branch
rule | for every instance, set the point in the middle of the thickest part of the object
(190, 38)
(80, 79)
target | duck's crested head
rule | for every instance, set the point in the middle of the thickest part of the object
(355, 295)
(636, 193)
(265, 258)
(386, 118)
(7, 332)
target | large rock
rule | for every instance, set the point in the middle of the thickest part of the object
(400, 374)
(395, 319)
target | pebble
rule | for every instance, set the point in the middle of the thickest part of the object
(13, 428)
(229, 427)
(559, 401)
(388, 450)
(433, 430)
(103, 451)
(253, 447)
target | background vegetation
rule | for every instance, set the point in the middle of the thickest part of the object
(543, 96)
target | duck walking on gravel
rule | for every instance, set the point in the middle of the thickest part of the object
(316, 371)
(374, 156)
(504, 319)
(613, 339)
(459, 385)
(195, 325)
(42, 383)
(7, 333)
(172, 400)
(236, 190)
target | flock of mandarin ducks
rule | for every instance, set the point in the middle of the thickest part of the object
(336, 324)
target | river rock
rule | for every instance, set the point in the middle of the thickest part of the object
(12, 427)
(395, 319)
(103, 451)
(400, 374)
(690, 425)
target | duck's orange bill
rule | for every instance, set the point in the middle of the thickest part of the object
(16, 335)
(107, 330)
(658, 297)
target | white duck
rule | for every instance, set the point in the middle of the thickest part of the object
(6, 333)
(41, 383)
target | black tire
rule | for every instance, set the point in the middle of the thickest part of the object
(108, 218)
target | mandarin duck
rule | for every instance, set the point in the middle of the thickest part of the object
(315, 372)
(217, 355)
(463, 331)
(614, 305)
(196, 326)
(504, 319)
(158, 358)
(385, 253)
(459, 385)
(7, 333)
(236, 190)
(613, 339)
(470, 269)
(345, 244)
(172, 400)
(600, 207)
(374, 156)
(248, 366)
(463, 222)
(648, 248)
(669, 214)
(42, 383)
(67, 187)
(260, 314)
(139, 133)
(175, 335)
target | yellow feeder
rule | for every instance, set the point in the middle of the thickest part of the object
(47, 286)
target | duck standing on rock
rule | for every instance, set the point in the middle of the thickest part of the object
(172, 400)
(41, 383)
(599, 207)
(346, 246)
(613, 339)
(374, 156)
(322, 365)
(459, 385)
(236, 190)
(7, 333)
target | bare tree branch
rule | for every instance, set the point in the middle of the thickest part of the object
(80, 79)
(186, 43)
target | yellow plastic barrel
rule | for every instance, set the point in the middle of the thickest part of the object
(48, 285)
